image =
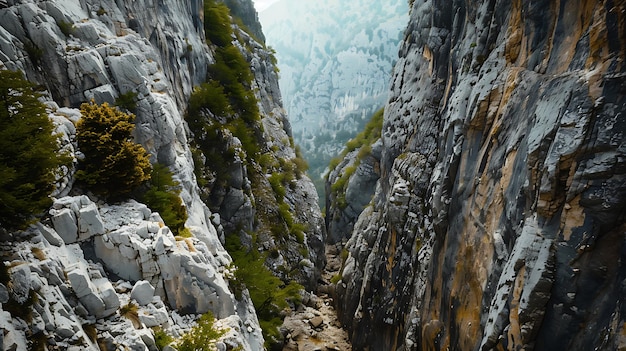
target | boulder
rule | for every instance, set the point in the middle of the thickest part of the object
(50, 235)
(89, 296)
(152, 316)
(20, 282)
(316, 322)
(142, 292)
(64, 222)
(89, 221)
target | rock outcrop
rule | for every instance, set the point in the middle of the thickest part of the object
(498, 221)
(349, 188)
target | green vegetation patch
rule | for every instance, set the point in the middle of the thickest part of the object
(269, 294)
(30, 155)
(201, 337)
(363, 142)
(127, 101)
(163, 196)
(114, 165)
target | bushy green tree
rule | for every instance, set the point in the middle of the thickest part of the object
(29, 152)
(163, 197)
(217, 23)
(114, 164)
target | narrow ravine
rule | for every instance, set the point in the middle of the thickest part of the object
(315, 327)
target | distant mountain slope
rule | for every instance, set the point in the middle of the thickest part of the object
(335, 59)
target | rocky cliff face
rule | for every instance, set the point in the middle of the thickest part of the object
(72, 271)
(498, 221)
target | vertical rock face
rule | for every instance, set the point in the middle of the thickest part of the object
(498, 222)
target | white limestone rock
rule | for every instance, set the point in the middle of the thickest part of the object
(107, 248)
(89, 221)
(86, 292)
(64, 222)
(154, 314)
(105, 55)
(76, 218)
(142, 292)
(50, 235)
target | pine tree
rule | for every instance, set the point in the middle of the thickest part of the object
(29, 152)
(114, 164)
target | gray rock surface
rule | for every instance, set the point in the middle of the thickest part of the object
(142, 292)
(86, 50)
(498, 219)
(346, 204)
(83, 50)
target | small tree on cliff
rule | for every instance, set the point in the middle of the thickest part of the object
(114, 164)
(164, 196)
(29, 152)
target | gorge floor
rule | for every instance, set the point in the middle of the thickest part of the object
(315, 326)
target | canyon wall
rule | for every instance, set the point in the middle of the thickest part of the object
(498, 220)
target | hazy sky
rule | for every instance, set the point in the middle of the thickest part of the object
(261, 5)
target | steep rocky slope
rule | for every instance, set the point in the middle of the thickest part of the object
(498, 221)
(335, 60)
(71, 273)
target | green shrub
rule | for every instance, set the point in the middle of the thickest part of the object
(29, 152)
(334, 162)
(127, 101)
(247, 136)
(209, 96)
(340, 184)
(266, 161)
(301, 165)
(217, 23)
(202, 337)
(363, 141)
(276, 181)
(114, 164)
(161, 338)
(66, 28)
(268, 293)
(163, 197)
(185, 233)
(285, 213)
(371, 132)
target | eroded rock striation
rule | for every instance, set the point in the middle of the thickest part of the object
(498, 221)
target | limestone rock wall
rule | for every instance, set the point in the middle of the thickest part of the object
(346, 204)
(82, 50)
(498, 221)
